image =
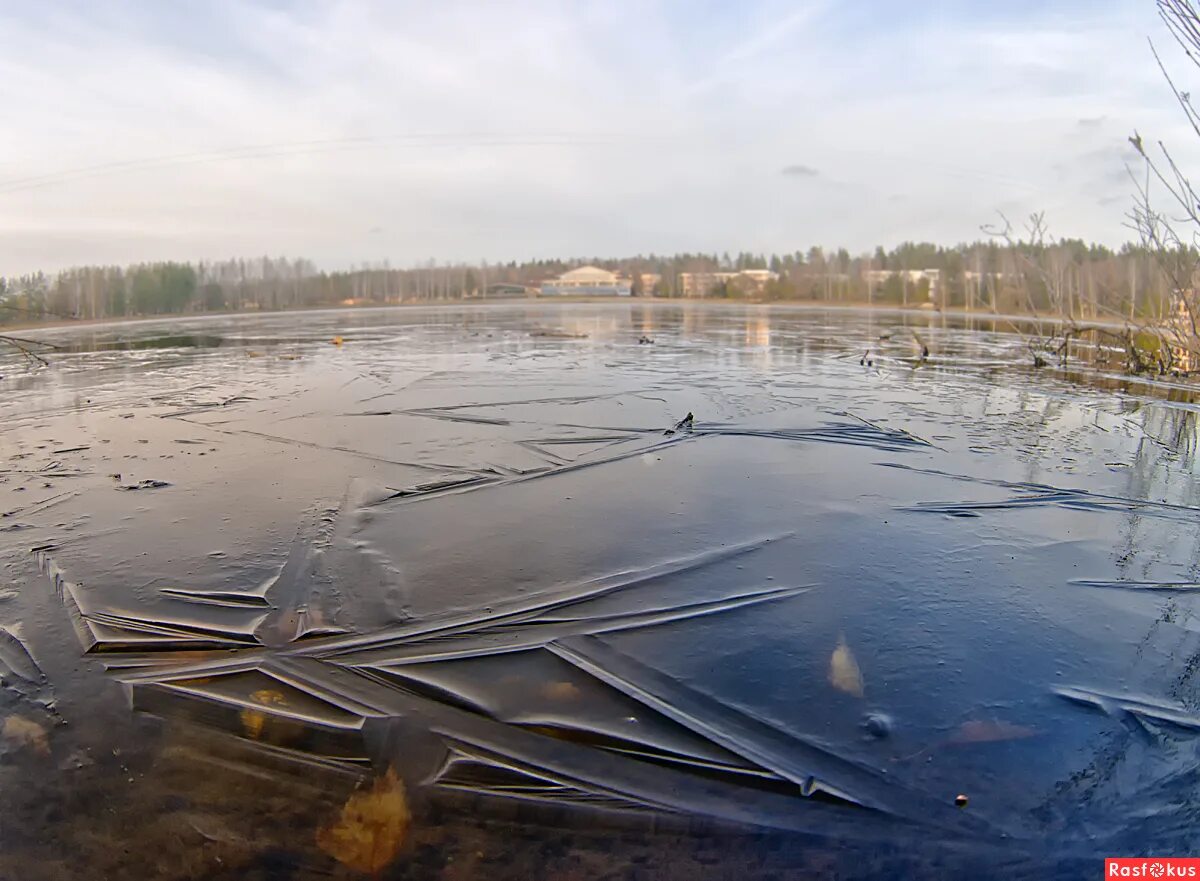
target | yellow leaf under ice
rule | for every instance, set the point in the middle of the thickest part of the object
(254, 721)
(844, 674)
(25, 732)
(371, 827)
(989, 731)
(560, 691)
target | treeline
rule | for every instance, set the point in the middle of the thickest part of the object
(1068, 277)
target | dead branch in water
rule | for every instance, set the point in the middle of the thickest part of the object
(28, 348)
(1043, 347)
(1149, 346)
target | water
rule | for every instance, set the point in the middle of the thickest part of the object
(453, 592)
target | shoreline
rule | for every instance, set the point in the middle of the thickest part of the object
(806, 305)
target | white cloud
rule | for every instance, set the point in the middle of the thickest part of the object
(482, 130)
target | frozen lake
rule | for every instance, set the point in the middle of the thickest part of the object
(467, 584)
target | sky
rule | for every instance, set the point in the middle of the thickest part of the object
(353, 132)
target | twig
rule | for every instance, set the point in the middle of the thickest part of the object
(21, 345)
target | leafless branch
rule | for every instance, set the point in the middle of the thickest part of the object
(27, 348)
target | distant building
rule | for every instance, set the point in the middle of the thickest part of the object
(504, 289)
(649, 281)
(698, 284)
(748, 281)
(911, 276)
(754, 280)
(587, 281)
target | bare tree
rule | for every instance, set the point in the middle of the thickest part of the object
(1047, 268)
(1172, 234)
(1048, 335)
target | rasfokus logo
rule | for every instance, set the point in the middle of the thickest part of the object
(1152, 867)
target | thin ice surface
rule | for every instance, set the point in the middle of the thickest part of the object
(527, 561)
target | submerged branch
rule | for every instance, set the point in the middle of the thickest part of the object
(27, 348)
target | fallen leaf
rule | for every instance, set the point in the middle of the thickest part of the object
(26, 732)
(984, 731)
(371, 828)
(844, 674)
(254, 721)
(560, 691)
(976, 731)
(268, 697)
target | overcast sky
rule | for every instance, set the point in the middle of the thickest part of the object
(351, 131)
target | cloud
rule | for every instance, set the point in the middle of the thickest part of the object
(735, 62)
(388, 119)
(800, 171)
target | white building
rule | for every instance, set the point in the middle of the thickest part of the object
(650, 281)
(701, 284)
(908, 276)
(587, 281)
